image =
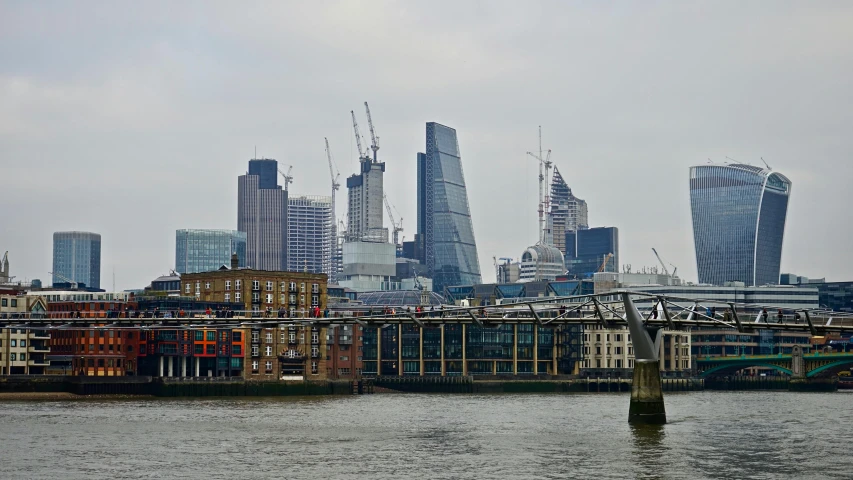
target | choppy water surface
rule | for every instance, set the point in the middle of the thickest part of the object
(710, 435)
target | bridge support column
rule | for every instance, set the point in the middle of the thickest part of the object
(646, 392)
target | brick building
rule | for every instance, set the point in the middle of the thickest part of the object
(273, 352)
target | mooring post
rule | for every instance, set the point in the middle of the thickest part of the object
(646, 392)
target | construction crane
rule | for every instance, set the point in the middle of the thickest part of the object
(604, 263)
(334, 176)
(288, 178)
(665, 270)
(398, 226)
(374, 139)
(362, 156)
(64, 278)
(544, 198)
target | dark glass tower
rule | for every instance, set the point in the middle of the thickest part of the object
(586, 250)
(738, 222)
(445, 230)
(267, 171)
(262, 214)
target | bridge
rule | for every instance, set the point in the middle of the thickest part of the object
(815, 365)
(611, 310)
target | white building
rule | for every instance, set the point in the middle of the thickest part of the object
(369, 266)
(613, 348)
(541, 262)
(365, 203)
(23, 351)
(309, 234)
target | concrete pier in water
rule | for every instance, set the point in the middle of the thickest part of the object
(646, 393)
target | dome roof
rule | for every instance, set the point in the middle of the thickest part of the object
(541, 253)
(398, 298)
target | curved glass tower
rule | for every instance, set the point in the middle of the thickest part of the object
(444, 219)
(738, 222)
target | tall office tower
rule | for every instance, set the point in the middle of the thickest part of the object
(568, 212)
(262, 214)
(77, 258)
(309, 234)
(587, 250)
(199, 251)
(738, 222)
(365, 203)
(444, 219)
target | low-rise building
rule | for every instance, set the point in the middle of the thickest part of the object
(23, 351)
(610, 350)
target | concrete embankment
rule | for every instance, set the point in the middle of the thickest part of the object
(540, 384)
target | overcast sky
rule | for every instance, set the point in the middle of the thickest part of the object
(134, 119)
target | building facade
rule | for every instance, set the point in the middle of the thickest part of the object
(77, 258)
(23, 351)
(309, 234)
(365, 203)
(568, 213)
(541, 262)
(206, 250)
(609, 350)
(739, 216)
(444, 217)
(587, 250)
(262, 215)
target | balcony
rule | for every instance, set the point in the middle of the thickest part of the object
(39, 335)
(38, 349)
(38, 362)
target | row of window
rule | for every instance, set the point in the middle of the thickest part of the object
(256, 286)
(22, 357)
(268, 367)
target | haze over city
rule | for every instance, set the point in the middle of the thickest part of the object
(134, 120)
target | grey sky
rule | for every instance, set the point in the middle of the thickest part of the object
(133, 119)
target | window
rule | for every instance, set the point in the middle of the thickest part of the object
(187, 289)
(282, 298)
(197, 287)
(282, 337)
(282, 286)
(227, 285)
(256, 285)
(15, 303)
(597, 337)
(344, 358)
(292, 337)
(302, 299)
(292, 286)
(269, 298)
(211, 349)
(255, 365)
(343, 371)
(13, 357)
(598, 350)
(238, 336)
(256, 297)
(302, 287)
(313, 368)
(268, 351)
(237, 296)
(199, 349)
(207, 285)
(236, 350)
(269, 286)
(315, 288)
(238, 284)
(256, 337)
(227, 297)
(315, 338)
(618, 350)
(315, 300)
(255, 351)
(13, 343)
(268, 366)
(211, 336)
(292, 298)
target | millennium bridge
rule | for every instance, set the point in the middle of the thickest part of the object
(617, 309)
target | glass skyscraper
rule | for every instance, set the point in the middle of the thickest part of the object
(586, 251)
(262, 215)
(206, 250)
(77, 258)
(738, 222)
(445, 229)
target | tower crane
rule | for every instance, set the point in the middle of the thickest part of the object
(544, 198)
(374, 139)
(288, 178)
(334, 177)
(604, 263)
(362, 156)
(64, 278)
(398, 227)
(665, 270)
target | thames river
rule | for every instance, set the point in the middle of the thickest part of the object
(388, 436)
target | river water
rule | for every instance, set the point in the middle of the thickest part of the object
(387, 436)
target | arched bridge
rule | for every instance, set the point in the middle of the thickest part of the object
(815, 364)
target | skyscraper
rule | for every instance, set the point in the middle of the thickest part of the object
(568, 213)
(444, 218)
(364, 196)
(587, 250)
(199, 251)
(77, 258)
(262, 214)
(738, 222)
(309, 231)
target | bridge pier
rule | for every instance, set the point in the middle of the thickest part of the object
(646, 392)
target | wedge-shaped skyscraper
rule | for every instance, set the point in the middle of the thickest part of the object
(738, 222)
(445, 229)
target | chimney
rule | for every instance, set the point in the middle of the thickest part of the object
(235, 261)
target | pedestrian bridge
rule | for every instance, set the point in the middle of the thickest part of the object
(819, 364)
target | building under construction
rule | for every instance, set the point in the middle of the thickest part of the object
(567, 212)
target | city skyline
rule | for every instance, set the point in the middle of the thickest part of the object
(623, 146)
